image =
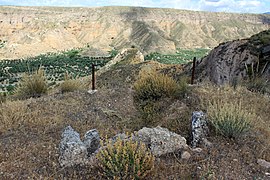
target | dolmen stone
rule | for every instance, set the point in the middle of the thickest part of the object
(75, 152)
(161, 141)
(91, 141)
(199, 129)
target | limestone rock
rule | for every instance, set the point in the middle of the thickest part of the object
(197, 150)
(91, 141)
(234, 61)
(72, 149)
(263, 163)
(207, 143)
(199, 128)
(185, 155)
(161, 141)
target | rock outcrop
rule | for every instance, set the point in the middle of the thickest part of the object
(72, 149)
(234, 61)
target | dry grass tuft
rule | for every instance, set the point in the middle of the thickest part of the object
(229, 119)
(153, 90)
(33, 85)
(70, 84)
(258, 84)
(153, 86)
(254, 103)
(2, 98)
(11, 113)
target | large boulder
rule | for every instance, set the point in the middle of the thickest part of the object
(233, 61)
(161, 141)
(227, 63)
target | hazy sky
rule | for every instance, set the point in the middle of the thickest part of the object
(243, 6)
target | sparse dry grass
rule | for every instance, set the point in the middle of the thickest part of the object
(229, 119)
(152, 85)
(33, 85)
(30, 132)
(251, 102)
(258, 84)
(2, 98)
(71, 84)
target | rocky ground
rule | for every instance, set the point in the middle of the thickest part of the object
(31, 130)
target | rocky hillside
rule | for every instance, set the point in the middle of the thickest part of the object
(28, 31)
(237, 60)
(31, 130)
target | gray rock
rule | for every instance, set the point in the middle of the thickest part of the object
(206, 143)
(228, 62)
(185, 155)
(263, 163)
(72, 149)
(161, 141)
(199, 128)
(197, 150)
(91, 141)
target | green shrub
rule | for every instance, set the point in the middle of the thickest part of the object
(70, 85)
(149, 112)
(32, 85)
(153, 86)
(229, 119)
(153, 91)
(125, 159)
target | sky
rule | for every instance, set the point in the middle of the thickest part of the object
(238, 6)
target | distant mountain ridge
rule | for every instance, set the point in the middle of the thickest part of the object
(267, 13)
(29, 31)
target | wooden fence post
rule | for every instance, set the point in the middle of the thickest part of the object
(193, 70)
(93, 78)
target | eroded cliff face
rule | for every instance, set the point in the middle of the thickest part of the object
(234, 61)
(28, 31)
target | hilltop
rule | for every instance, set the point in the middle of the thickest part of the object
(29, 31)
(30, 129)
